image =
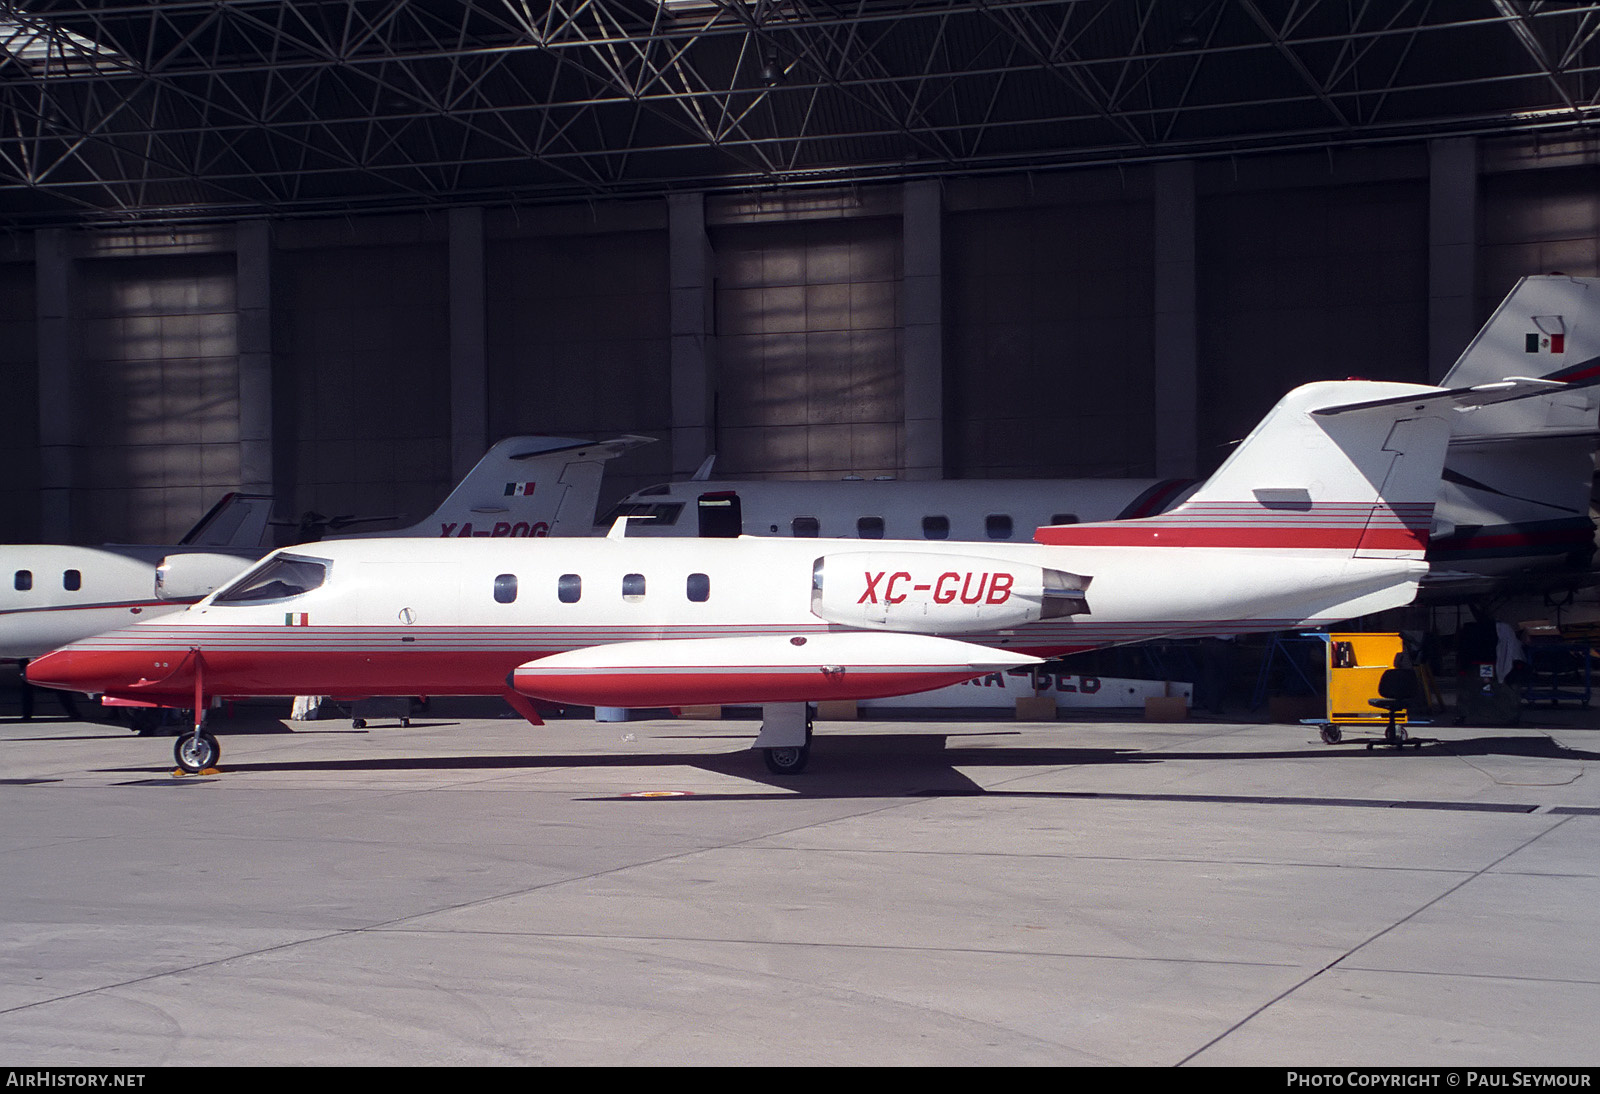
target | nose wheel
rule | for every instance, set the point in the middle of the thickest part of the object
(196, 751)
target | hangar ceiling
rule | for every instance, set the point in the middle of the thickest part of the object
(198, 109)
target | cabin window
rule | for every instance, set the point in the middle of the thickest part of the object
(72, 581)
(278, 578)
(997, 526)
(632, 586)
(935, 527)
(870, 528)
(699, 588)
(23, 581)
(805, 527)
(1064, 518)
(505, 588)
(569, 587)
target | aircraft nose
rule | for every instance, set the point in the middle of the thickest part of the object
(70, 670)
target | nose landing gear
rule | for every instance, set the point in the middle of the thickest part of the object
(196, 751)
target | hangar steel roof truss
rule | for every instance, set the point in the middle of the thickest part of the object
(196, 109)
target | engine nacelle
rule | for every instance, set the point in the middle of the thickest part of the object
(940, 594)
(197, 574)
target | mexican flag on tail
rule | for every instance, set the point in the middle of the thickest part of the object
(1551, 337)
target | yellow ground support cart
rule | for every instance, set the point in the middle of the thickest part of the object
(1356, 664)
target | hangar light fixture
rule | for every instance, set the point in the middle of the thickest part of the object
(45, 49)
(683, 9)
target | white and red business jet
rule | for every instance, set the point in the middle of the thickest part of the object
(1321, 514)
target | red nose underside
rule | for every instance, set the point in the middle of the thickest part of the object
(168, 676)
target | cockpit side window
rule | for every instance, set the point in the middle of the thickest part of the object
(278, 578)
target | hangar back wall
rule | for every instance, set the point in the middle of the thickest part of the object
(1120, 322)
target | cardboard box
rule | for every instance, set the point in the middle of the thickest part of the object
(704, 714)
(1036, 708)
(837, 710)
(1174, 708)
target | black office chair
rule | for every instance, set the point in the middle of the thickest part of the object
(1397, 688)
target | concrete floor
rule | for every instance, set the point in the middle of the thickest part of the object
(477, 891)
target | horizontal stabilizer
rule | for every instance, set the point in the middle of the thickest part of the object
(1462, 398)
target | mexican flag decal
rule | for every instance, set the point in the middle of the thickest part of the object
(1551, 337)
(295, 619)
(519, 489)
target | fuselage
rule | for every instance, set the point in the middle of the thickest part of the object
(978, 510)
(424, 617)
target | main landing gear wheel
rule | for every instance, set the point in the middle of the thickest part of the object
(788, 760)
(196, 751)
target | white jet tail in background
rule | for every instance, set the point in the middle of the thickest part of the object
(1547, 327)
(1518, 484)
(525, 486)
(238, 521)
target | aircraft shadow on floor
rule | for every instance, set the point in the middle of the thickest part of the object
(924, 764)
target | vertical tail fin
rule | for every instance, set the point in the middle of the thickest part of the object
(1547, 327)
(1349, 468)
(1518, 477)
(526, 486)
(238, 521)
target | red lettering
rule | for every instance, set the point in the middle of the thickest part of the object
(520, 528)
(941, 595)
(501, 528)
(446, 529)
(871, 595)
(1088, 684)
(540, 529)
(998, 593)
(967, 595)
(466, 530)
(888, 592)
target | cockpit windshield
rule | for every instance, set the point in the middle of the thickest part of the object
(278, 578)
